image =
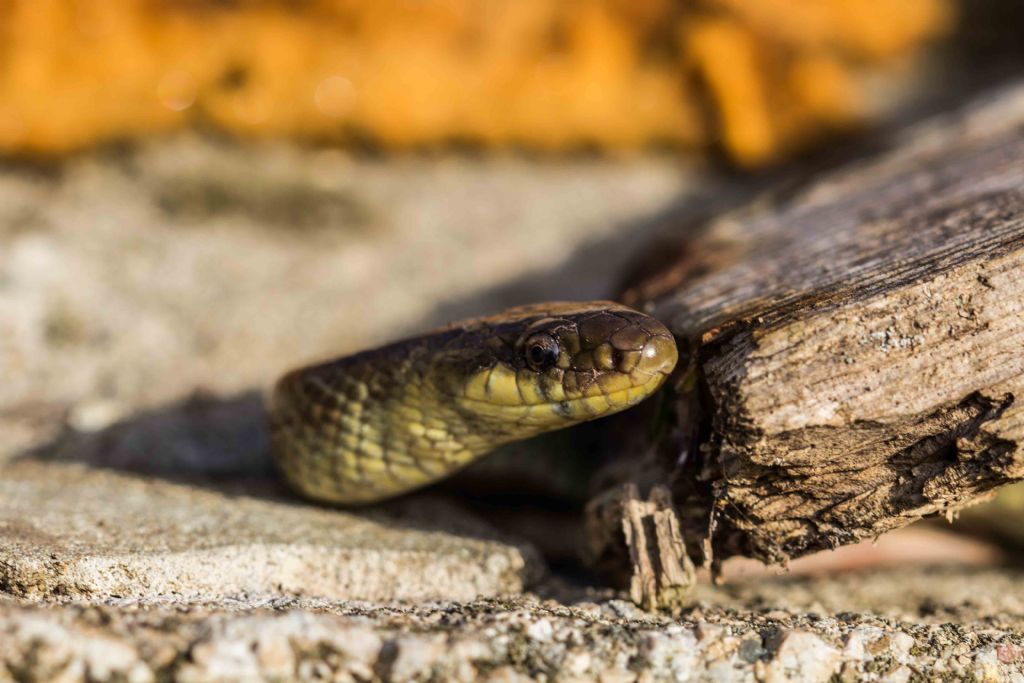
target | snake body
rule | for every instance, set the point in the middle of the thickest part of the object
(382, 422)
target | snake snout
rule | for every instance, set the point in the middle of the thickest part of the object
(658, 356)
(643, 348)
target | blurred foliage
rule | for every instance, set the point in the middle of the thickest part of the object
(757, 78)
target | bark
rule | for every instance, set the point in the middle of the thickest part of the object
(859, 344)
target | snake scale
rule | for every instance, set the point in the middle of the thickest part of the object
(382, 422)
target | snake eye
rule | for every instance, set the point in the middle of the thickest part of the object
(541, 351)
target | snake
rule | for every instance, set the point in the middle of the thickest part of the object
(386, 421)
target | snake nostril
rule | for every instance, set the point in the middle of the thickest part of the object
(626, 360)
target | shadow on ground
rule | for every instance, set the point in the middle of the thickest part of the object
(221, 444)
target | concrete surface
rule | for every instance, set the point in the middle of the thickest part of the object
(76, 532)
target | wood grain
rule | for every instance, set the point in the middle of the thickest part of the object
(861, 348)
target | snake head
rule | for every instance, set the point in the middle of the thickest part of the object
(539, 368)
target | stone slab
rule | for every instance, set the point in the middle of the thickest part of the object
(68, 530)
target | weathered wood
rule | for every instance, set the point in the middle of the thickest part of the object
(661, 574)
(859, 343)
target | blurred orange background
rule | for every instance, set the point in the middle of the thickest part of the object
(754, 78)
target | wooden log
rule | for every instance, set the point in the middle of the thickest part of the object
(858, 343)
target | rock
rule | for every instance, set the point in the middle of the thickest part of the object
(490, 639)
(802, 656)
(411, 658)
(67, 530)
(38, 647)
(540, 630)
(295, 645)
